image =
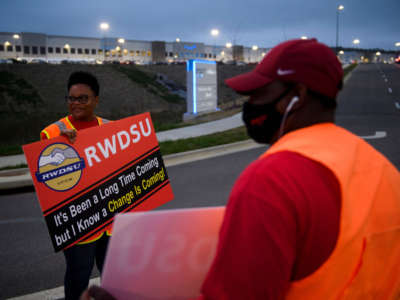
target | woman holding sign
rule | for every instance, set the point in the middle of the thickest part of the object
(82, 99)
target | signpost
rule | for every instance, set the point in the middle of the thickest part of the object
(202, 93)
(113, 168)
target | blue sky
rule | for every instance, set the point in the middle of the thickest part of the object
(247, 22)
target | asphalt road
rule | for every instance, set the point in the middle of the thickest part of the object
(367, 105)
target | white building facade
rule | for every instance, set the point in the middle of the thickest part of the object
(54, 48)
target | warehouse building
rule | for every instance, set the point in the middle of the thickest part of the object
(39, 47)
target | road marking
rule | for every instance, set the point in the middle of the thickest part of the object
(377, 135)
(397, 104)
(389, 90)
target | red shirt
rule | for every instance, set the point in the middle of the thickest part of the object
(281, 223)
(78, 125)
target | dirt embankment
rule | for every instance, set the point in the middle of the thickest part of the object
(32, 96)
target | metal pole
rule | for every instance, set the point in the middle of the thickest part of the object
(337, 30)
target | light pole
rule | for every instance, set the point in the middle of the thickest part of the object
(215, 33)
(6, 45)
(356, 42)
(121, 41)
(377, 58)
(338, 10)
(229, 47)
(16, 38)
(67, 47)
(255, 49)
(104, 27)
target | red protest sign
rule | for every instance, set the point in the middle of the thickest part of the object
(110, 169)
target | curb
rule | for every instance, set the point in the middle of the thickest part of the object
(19, 178)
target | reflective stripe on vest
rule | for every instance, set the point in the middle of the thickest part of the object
(53, 131)
(365, 263)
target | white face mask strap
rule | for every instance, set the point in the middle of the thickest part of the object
(288, 108)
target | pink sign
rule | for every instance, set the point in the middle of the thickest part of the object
(161, 254)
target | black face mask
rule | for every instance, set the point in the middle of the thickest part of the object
(262, 121)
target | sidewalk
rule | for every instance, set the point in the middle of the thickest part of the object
(16, 178)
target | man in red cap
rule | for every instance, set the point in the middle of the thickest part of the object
(318, 215)
(310, 218)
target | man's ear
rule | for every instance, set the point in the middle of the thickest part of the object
(296, 101)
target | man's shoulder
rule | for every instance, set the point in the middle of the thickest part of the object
(281, 161)
(284, 166)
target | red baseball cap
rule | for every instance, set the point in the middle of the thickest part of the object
(300, 61)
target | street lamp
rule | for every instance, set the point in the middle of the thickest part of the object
(67, 47)
(120, 41)
(356, 42)
(104, 28)
(215, 33)
(338, 10)
(255, 49)
(229, 49)
(178, 40)
(16, 38)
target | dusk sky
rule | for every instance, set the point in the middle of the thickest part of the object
(247, 22)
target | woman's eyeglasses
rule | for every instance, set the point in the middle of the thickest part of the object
(83, 99)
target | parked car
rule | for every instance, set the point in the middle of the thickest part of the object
(6, 61)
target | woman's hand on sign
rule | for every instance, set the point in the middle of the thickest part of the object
(70, 134)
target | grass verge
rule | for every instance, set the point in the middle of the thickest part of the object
(170, 147)
(348, 69)
(215, 139)
(14, 167)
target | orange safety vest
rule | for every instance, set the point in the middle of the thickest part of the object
(365, 263)
(54, 130)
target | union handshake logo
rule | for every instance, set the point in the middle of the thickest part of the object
(59, 167)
